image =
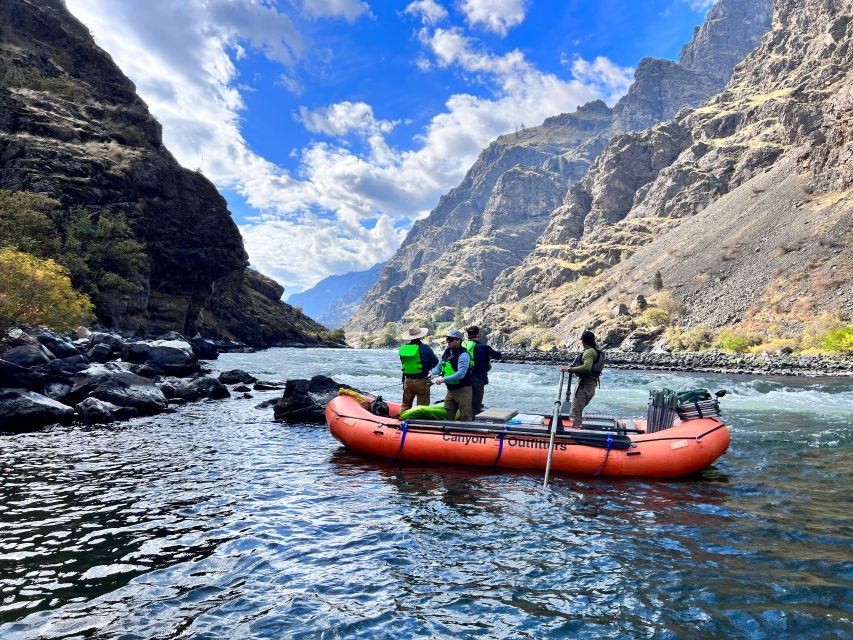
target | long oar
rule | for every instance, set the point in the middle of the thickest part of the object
(555, 420)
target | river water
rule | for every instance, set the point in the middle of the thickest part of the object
(217, 522)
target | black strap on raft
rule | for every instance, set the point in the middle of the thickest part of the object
(405, 427)
(606, 455)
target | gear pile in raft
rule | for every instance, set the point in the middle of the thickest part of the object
(681, 435)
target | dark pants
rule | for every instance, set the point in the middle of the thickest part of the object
(415, 387)
(584, 392)
(459, 399)
(477, 391)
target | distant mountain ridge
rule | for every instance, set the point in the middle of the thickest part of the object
(743, 205)
(333, 300)
(492, 221)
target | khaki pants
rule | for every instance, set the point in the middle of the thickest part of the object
(459, 399)
(415, 387)
(584, 392)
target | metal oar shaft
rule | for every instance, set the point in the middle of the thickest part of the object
(555, 419)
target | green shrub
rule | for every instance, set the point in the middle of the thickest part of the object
(27, 223)
(657, 281)
(838, 340)
(63, 86)
(131, 135)
(693, 339)
(732, 342)
(654, 317)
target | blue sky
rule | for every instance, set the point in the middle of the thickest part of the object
(331, 125)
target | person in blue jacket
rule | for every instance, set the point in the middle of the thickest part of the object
(481, 361)
(454, 370)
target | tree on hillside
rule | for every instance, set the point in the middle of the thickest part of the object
(39, 293)
(657, 281)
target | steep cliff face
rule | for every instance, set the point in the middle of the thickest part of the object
(743, 205)
(492, 220)
(73, 128)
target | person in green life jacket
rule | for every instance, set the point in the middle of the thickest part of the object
(454, 370)
(587, 367)
(481, 361)
(417, 359)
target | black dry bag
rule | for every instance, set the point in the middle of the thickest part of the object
(378, 407)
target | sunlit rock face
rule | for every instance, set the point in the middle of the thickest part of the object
(724, 200)
(491, 222)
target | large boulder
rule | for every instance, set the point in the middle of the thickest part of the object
(174, 357)
(306, 400)
(111, 383)
(100, 353)
(27, 356)
(58, 346)
(197, 389)
(114, 341)
(21, 410)
(204, 349)
(17, 377)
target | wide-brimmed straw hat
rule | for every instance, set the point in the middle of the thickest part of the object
(415, 333)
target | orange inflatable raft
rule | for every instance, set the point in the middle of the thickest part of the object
(623, 449)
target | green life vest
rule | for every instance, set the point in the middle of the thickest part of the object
(469, 347)
(410, 356)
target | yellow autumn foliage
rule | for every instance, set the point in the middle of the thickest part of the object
(38, 292)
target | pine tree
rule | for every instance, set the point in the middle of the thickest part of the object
(657, 281)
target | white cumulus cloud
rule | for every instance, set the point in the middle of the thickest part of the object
(429, 11)
(494, 15)
(352, 196)
(700, 6)
(611, 80)
(350, 10)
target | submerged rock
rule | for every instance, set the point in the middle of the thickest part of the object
(306, 400)
(236, 376)
(21, 410)
(94, 411)
(198, 389)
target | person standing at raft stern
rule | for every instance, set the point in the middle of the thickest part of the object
(481, 361)
(454, 370)
(588, 367)
(417, 359)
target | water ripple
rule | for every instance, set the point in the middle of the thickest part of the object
(217, 522)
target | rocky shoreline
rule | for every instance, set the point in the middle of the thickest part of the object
(705, 361)
(103, 377)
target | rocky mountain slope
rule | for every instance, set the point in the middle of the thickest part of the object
(73, 128)
(743, 205)
(333, 300)
(492, 220)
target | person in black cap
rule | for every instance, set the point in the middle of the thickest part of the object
(481, 362)
(588, 367)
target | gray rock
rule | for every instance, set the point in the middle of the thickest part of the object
(173, 357)
(60, 347)
(21, 410)
(94, 411)
(242, 387)
(112, 384)
(639, 303)
(27, 356)
(200, 388)
(619, 310)
(100, 353)
(114, 341)
(17, 377)
(306, 400)
(56, 391)
(235, 376)
(267, 386)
